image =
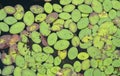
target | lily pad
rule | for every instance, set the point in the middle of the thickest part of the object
(85, 64)
(68, 8)
(57, 61)
(48, 8)
(83, 56)
(9, 9)
(76, 15)
(37, 9)
(40, 17)
(65, 34)
(19, 61)
(72, 53)
(64, 15)
(4, 27)
(17, 28)
(10, 20)
(48, 50)
(28, 18)
(52, 39)
(77, 66)
(3, 14)
(7, 70)
(75, 41)
(84, 8)
(27, 72)
(57, 8)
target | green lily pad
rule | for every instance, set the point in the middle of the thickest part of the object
(35, 36)
(116, 4)
(65, 2)
(37, 9)
(7, 70)
(97, 72)
(85, 64)
(112, 14)
(94, 18)
(84, 8)
(75, 41)
(72, 53)
(84, 32)
(44, 28)
(65, 34)
(107, 5)
(109, 70)
(68, 8)
(28, 18)
(64, 15)
(52, 39)
(75, 15)
(48, 8)
(55, 69)
(57, 8)
(10, 20)
(57, 61)
(82, 23)
(27, 72)
(62, 54)
(83, 56)
(94, 52)
(50, 59)
(116, 41)
(116, 63)
(17, 28)
(19, 61)
(97, 6)
(3, 14)
(61, 45)
(4, 27)
(9, 9)
(77, 2)
(36, 48)
(40, 17)
(89, 72)
(94, 63)
(77, 66)
(48, 49)
(107, 61)
(17, 71)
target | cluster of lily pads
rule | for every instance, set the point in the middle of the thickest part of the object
(39, 40)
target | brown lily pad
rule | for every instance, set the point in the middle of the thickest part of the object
(51, 17)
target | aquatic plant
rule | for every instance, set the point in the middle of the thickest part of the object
(69, 38)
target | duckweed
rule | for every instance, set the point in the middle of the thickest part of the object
(69, 38)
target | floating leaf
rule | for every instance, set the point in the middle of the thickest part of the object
(65, 2)
(85, 8)
(37, 9)
(85, 64)
(94, 18)
(75, 15)
(77, 66)
(94, 63)
(75, 41)
(2, 14)
(83, 55)
(107, 5)
(112, 14)
(36, 48)
(28, 18)
(44, 28)
(84, 32)
(52, 39)
(107, 61)
(89, 72)
(51, 17)
(94, 52)
(116, 5)
(57, 61)
(65, 34)
(116, 63)
(4, 27)
(48, 7)
(9, 9)
(61, 45)
(19, 61)
(97, 6)
(17, 71)
(109, 70)
(68, 8)
(77, 2)
(57, 7)
(64, 15)
(62, 54)
(40, 17)
(27, 72)
(7, 70)
(50, 59)
(72, 53)
(10, 20)
(97, 72)
(48, 50)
